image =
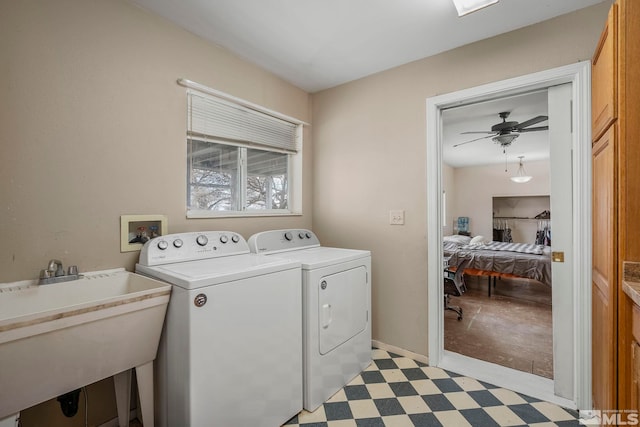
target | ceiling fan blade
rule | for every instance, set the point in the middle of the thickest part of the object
(530, 122)
(477, 139)
(534, 129)
(480, 131)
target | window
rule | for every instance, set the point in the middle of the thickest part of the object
(241, 161)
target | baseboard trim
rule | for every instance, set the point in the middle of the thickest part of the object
(401, 351)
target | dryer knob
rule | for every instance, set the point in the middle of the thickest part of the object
(301, 235)
(288, 236)
(308, 235)
(162, 245)
(202, 240)
(235, 238)
(177, 243)
(224, 239)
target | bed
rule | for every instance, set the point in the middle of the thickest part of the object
(499, 259)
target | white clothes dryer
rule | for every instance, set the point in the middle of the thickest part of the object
(336, 293)
(231, 349)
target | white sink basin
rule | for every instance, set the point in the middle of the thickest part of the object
(59, 337)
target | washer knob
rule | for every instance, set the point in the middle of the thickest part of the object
(202, 240)
(224, 239)
(301, 235)
(177, 243)
(308, 235)
(235, 238)
(288, 236)
(162, 245)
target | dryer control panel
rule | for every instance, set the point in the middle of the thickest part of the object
(192, 246)
(274, 241)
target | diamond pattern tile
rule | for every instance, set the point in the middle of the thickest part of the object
(396, 391)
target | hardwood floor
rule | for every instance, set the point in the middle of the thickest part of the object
(512, 328)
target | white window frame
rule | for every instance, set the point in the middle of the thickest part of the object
(294, 173)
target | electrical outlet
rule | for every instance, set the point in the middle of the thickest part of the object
(396, 217)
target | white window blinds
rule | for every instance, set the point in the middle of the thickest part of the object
(212, 118)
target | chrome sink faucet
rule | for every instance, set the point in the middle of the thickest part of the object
(54, 273)
(55, 268)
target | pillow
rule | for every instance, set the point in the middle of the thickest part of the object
(478, 240)
(461, 240)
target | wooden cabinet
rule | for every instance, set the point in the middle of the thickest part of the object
(616, 207)
(635, 360)
(604, 77)
(604, 294)
(603, 290)
(635, 378)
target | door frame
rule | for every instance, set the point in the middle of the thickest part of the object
(579, 74)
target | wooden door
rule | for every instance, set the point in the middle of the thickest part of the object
(604, 275)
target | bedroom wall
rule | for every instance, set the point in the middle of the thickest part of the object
(372, 133)
(476, 186)
(92, 126)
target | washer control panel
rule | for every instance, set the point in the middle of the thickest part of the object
(282, 240)
(192, 246)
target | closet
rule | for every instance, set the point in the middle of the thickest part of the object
(615, 202)
(522, 219)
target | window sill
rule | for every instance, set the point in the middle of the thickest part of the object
(237, 214)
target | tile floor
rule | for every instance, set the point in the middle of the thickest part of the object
(396, 391)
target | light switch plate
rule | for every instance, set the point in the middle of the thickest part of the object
(396, 217)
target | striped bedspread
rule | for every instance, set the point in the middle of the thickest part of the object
(520, 259)
(523, 248)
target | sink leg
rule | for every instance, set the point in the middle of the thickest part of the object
(144, 374)
(122, 382)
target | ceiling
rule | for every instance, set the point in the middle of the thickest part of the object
(480, 117)
(318, 44)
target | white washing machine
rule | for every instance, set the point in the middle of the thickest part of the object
(231, 349)
(336, 293)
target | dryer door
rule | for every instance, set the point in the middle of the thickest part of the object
(342, 310)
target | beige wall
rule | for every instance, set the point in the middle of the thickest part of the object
(476, 186)
(370, 156)
(92, 126)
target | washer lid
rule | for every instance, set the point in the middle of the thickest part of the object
(323, 256)
(214, 271)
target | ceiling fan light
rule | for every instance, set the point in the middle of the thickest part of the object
(464, 7)
(506, 139)
(521, 177)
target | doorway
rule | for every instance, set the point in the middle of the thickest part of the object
(574, 388)
(507, 317)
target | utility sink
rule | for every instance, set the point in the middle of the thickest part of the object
(59, 337)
